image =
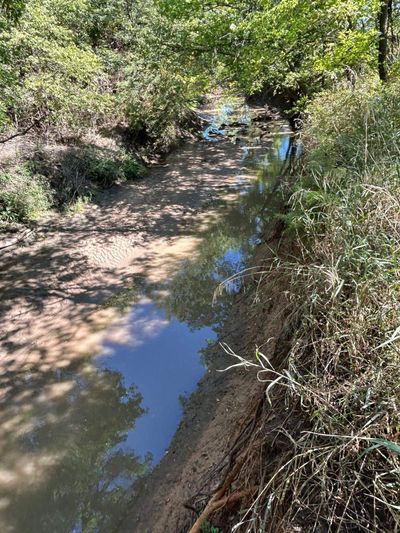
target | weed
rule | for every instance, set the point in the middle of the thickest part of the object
(343, 369)
(209, 528)
(78, 207)
(23, 196)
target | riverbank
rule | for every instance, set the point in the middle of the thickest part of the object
(325, 453)
(44, 176)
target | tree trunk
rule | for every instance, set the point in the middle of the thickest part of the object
(383, 27)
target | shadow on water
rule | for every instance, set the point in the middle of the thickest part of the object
(73, 441)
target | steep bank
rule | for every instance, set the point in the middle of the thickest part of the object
(325, 453)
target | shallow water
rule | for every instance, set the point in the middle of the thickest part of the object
(74, 440)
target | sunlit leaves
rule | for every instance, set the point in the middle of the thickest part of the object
(12, 9)
(291, 45)
(144, 62)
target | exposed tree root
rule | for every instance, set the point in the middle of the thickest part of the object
(234, 462)
(216, 504)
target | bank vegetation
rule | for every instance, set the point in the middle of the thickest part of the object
(132, 74)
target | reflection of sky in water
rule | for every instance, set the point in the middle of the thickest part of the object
(255, 239)
(231, 261)
(161, 356)
(245, 154)
(164, 364)
(284, 147)
(212, 133)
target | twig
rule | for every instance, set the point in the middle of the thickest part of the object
(14, 240)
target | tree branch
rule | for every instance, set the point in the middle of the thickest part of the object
(26, 130)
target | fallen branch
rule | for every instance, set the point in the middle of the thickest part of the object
(8, 243)
(26, 130)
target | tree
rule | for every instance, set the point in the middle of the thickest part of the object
(295, 47)
(12, 9)
(383, 25)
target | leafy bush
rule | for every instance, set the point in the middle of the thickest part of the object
(76, 173)
(23, 196)
(108, 168)
(354, 128)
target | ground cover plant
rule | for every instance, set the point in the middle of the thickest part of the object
(342, 376)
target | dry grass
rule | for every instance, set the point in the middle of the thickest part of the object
(342, 378)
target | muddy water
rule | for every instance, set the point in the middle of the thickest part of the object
(93, 408)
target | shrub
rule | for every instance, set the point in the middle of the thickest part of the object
(77, 172)
(108, 168)
(23, 196)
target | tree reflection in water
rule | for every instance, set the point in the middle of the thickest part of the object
(227, 243)
(65, 466)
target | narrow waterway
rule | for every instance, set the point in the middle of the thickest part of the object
(93, 409)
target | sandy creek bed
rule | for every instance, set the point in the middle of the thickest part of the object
(107, 327)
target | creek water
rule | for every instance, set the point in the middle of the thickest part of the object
(84, 434)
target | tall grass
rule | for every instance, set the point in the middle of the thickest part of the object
(342, 472)
(23, 196)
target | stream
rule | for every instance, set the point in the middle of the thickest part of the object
(76, 436)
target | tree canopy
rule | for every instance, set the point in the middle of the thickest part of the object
(81, 62)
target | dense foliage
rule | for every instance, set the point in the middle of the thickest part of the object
(342, 375)
(294, 47)
(79, 62)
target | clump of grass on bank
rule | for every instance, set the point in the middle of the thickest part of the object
(23, 196)
(343, 372)
(108, 169)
